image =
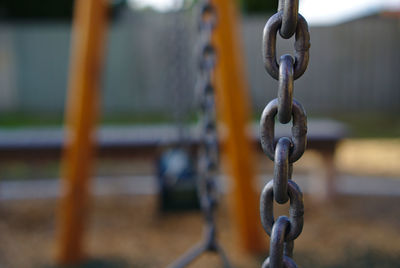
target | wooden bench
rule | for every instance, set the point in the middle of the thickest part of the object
(146, 142)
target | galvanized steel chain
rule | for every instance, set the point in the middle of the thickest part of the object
(284, 230)
(209, 149)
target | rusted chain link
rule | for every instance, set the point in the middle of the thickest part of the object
(287, 150)
(209, 150)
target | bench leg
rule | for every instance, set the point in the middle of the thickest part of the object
(324, 181)
(328, 159)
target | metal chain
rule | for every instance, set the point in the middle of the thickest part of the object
(209, 150)
(286, 151)
(208, 153)
(178, 74)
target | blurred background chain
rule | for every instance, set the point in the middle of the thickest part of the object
(209, 150)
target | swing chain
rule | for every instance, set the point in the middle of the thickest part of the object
(284, 230)
(209, 149)
(208, 155)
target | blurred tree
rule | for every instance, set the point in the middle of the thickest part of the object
(31, 9)
(43, 9)
(259, 6)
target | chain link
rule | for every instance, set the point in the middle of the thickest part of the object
(299, 130)
(290, 12)
(285, 91)
(282, 170)
(286, 151)
(302, 45)
(209, 149)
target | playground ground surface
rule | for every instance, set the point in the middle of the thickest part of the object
(129, 231)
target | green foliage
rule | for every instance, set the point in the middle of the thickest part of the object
(16, 10)
(31, 9)
(257, 6)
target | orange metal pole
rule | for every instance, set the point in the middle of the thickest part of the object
(89, 27)
(233, 110)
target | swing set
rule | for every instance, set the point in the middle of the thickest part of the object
(225, 129)
(228, 78)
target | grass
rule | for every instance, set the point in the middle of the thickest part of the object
(13, 120)
(361, 125)
(372, 125)
(22, 119)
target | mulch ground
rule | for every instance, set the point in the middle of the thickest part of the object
(128, 231)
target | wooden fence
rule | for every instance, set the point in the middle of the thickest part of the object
(354, 67)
